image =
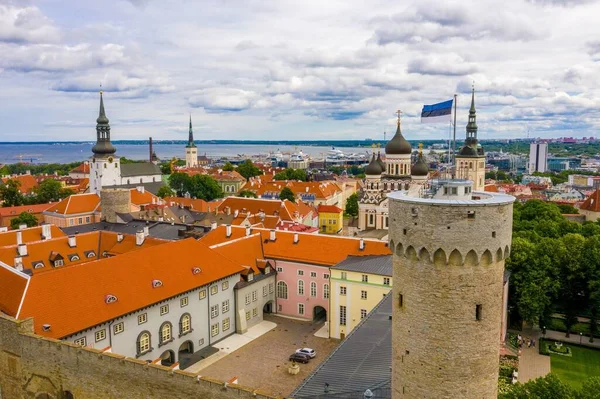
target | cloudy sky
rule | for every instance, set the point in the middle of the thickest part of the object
(289, 69)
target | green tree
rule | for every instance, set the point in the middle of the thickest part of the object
(181, 183)
(548, 387)
(23, 218)
(567, 209)
(291, 174)
(352, 205)
(165, 191)
(248, 169)
(4, 170)
(573, 277)
(10, 194)
(205, 187)
(165, 168)
(247, 194)
(228, 167)
(287, 194)
(590, 389)
(51, 190)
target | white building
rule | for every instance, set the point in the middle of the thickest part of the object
(538, 157)
(191, 152)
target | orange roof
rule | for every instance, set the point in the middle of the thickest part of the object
(329, 209)
(82, 168)
(257, 205)
(321, 190)
(492, 188)
(83, 184)
(17, 210)
(592, 203)
(194, 204)
(51, 297)
(76, 204)
(27, 235)
(245, 251)
(13, 286)
(28, 183)
(145, 198)
(227, 176)
(311, 248)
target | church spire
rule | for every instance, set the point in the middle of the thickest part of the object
(191, 135)
(472, 124)
(103, 145)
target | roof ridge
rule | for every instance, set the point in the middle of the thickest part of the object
(221, 244)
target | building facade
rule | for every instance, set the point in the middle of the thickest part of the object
(449, 248)
(331, 219)
(470, 160)
(538, 157)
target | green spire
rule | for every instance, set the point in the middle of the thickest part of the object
(191, 135)
(472, 124)
(103, 145)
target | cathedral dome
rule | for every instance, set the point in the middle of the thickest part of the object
(373, 168)
(420, 167)
(398, 144)
(468, 151)
(380, 162)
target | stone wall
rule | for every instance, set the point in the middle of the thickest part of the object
(448, 262)
(115, 201)
(31, 365)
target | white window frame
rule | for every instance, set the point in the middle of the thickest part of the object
(300, 272)
(186, 324)
(224, 285)
(363, 313)
(248, 315)
(301, 309)
(142, 318)
(80, 341)
(166, 332)
(386, 281)
(164, 309)
(214, 289)
(363, 294)
(300, 287)
(214, 330)
(183, 302)
(202, 294)
(254, 295)
(254, 312)
(282, 288)
(325, 291)
(279, 269)
(247, 299)
(226, 324)
(343, 315)
(343, 290)
(214, 311)
(118, 328)
(313, 274)
(313, 289)
(344, 276)
(225, 306)
(271, 288)
(326, 276)
(100, 335)
(265, 290)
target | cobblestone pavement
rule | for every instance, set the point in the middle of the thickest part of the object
(263, 363)
(531, 364)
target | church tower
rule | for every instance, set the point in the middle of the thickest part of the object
(398, 154)
(449, 245)
(470, 160)
(105, 168)
(191, 152)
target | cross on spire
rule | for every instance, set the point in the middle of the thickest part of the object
(399, 112)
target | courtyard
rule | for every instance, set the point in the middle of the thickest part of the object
(574, 370)
(263, 363)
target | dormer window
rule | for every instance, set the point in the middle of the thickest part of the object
(110, 299)
(59, 262)
(250, 276)
(267, 269)
(156, 283)
(196, 270)
(74, 257)
(38, 265)
(89, 254)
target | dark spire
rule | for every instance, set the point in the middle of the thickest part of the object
(103, 145)
(190, 135)
(472, 125)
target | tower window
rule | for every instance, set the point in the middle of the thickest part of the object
(493, 234)
(401, 300)
(471, 214)
(478, 312)
(404, 231)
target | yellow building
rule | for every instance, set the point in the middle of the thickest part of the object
(358, 284)
(331, 219)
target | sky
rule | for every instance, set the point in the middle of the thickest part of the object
(293, 70)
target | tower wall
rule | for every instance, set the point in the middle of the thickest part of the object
(115, 201)
(471, 168)
(447, 261)
(191, 157)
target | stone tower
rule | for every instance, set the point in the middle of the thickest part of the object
(470, 160)
(105, 168)
(191, 152)
(113, 201)
(449, 246)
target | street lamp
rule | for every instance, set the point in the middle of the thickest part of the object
(544, 331)
(580, 337)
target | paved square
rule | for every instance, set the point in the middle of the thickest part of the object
(263, 363)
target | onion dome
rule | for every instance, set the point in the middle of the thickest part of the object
(373, 168)
(420, 167)
(398, 144)
(380, 162)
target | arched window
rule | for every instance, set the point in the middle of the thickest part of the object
(185, 324)
(143, 343)
(104, 166)
(282, 290)
(325, 291)
(313, 289)
(300, 287)
(165, 333)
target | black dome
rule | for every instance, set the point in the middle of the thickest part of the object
(373, 168)
(420, 168)
(380, 162)
(398, 144)
(468, 151)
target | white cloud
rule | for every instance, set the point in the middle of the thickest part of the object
(27, 24)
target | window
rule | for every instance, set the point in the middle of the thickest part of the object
(87, 219)
(300, 287)
(325, 291)
(183, 301)
(342, 315)
(477, 313)
(365, 278)
(363, 313)
(493, 234)
(80, 220)
(250, 276)
(326, 276)
(202, 294)
(471, 214)
(313, 274)
(454, 190)
(59, 262)
(214, 311)
(91, 254)
(363, 295)
(164, 309)
(247, 315)
(342, 290)
(254, 295)
(271, 288)
(213, 290)
(279, 308)
(344, 275)
(279, 269)
(301, 308)
(300, 272)
(267, 269)
(74, 258)
(265, 291)
(247, 299)
(225, 306)
(165, 333)
(80, 341)
(185, 324)
(226, 324)
(214, 330)
(143, 344)
(142, 318)
(386, 281)
(254, 312)
(224, 285)
(313, 289)
(282, 290)
(119, 328)
(400, 300)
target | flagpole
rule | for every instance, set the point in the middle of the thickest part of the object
(454, 142)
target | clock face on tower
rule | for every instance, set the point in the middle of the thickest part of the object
(110, 159)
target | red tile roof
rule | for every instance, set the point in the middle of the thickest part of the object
(139, 198)
(76, 204)
(329, 209)
(592, 203)
(28, 183)
(17, 210)
(82, 168)
(13, 285)
(28, 235)
(197, 205)
(246, 251)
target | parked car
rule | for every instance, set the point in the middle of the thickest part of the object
(299, 358)
(307, 351)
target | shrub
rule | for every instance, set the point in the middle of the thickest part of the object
(581, 328)
(557, 325)
(543, 346)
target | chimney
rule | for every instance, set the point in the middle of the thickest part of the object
(296, 238)
(139, 237)
(160, 219)
(272, 235)
(141, 189)
(361, 246)
(236, 213)
(248, 230)
(19, 263)
(3, 229)
(19, 238)
(306, 189)
(213, 225)
(150, 158)
(22, 249)
(146, 231)
(227, 210)
(22, 226)
(119, 237)
(72, 241)
(228, 230)
(47, 231)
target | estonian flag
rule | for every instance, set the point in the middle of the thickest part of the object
(440, 112)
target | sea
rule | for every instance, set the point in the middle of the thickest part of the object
(44, 153)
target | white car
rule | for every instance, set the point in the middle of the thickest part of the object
(307, 351)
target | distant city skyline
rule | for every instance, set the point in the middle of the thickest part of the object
(261, 70)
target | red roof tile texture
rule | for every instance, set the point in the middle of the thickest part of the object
(12, 288)
(28, 235)
(592, 203)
